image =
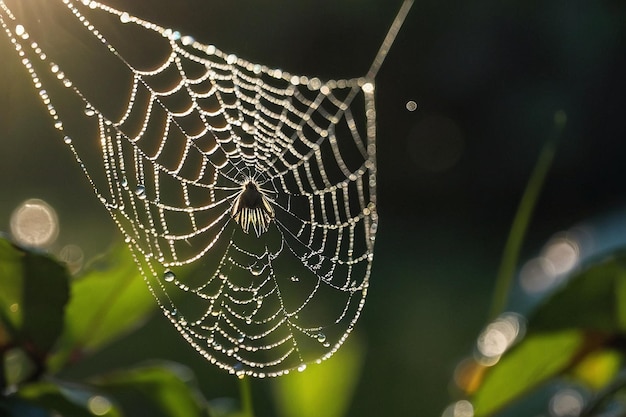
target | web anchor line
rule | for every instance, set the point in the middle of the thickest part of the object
(397, 23)
(264, 181)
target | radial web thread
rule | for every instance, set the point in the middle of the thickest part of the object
(176, 156)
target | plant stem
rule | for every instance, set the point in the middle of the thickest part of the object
(245, 394)
(527, 204)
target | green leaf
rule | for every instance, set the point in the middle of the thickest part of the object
(572, 323)
(108, 300)
(161, 389)
(68, 399)
(536, 359)
(593, 299)
(321, 390)
(34, 290)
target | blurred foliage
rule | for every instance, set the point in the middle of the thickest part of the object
(44, 330)
(576, 335)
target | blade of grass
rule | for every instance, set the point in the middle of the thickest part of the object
(245, 394)
(510, 255)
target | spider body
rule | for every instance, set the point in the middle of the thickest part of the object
(252, 208)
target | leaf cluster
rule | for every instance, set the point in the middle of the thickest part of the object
(50, 321)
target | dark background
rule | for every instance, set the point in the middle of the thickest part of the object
(488, 77)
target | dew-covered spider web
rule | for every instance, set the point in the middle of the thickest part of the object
(246, 193)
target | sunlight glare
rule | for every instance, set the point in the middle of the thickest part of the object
(411, 105)
(34, 223)
(462, 408)
(566, 403)
(559, 256)
(73, 257)
(498, 336)
(99, 405)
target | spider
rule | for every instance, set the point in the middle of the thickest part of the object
(252, 207)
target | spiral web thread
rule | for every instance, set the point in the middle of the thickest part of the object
(174, 162)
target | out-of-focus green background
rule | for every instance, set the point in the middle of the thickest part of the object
(487, 76)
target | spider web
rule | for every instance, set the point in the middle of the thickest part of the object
(174, 158)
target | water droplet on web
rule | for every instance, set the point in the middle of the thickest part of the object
(295, 279)
(125, 17)
(89, 111)
(241, 338)
(140, 192)
(67, 140)
(257, 269)
(321, 337)
(169, 276)
(302, 367)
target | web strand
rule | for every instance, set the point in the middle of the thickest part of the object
(397, 23)
(261, 181)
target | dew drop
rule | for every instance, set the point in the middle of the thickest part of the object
(58, 125)
(125, 17)
(295, 279)
(169, 276)
(241, 338)
(140, 192)
(256, 270)
(302, 367)
(89, 111)
(321, 337)
(67, 140)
